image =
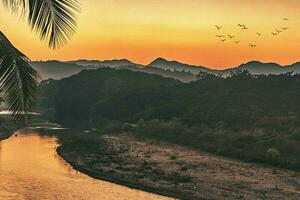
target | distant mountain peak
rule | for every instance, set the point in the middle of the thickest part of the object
(59, 69)
(158, 60)
(117, 60)
(163, 61)
(260, 65)
(253, 62)
(108, 63)
(176, 66)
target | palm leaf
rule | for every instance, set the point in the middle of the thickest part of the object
(18, 80)
(54, 20)
(15, 5)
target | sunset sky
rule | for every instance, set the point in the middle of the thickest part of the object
(183, 30)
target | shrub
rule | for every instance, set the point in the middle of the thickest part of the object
(273, 156)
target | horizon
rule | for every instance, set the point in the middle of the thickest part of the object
(148, 63)
(184, 31)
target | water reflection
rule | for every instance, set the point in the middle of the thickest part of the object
(31, 169)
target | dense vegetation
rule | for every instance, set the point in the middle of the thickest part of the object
(254, 118)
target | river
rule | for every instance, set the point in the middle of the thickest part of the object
(30, 169)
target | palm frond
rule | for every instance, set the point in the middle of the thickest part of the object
(54, 20)
(18, 80)
(15, 5)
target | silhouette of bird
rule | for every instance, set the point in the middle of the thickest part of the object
(220, 36)
(218, 27)
(278, 31)
(223, 40)
(231, 36)
(286, 19)
(274, 34)
(285, 28)
(242, 26)
(252, 45)
(237, 42)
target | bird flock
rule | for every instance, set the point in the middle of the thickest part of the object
(242, 27)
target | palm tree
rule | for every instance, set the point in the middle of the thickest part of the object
(52, 20)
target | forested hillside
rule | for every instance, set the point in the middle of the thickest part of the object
(254, 118)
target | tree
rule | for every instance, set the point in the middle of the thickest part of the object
(208, 76)
(54, 21)
(240, 74)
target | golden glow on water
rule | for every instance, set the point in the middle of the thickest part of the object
(31, 169)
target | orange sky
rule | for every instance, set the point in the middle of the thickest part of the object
(180, 30)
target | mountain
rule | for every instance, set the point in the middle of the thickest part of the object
(160, 66)
(179, 74)
(294, 67)
(174, 65)
(56, 69)
(256, 67)
(182, 76)
(109, 63)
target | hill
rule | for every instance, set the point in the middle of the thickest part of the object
(174, 65)
(109, 63)
(241, 116)
(84, 91)
(254, 67)
(57, 70)
(160, 66)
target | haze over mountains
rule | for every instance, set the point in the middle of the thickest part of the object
(160, 66)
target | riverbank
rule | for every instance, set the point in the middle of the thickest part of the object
(174, 170)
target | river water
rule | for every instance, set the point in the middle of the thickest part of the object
(30, 169)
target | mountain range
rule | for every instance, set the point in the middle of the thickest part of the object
(160, 66)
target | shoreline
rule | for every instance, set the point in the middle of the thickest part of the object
(125, 183)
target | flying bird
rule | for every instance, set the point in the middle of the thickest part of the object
(220, 36)
(231, 36)
(259, 34)
(285, 28)
(252, 45)
(286, 19)
(274, 34)
(237, 42)
(218, 27)
(242, 26)
(278, 31)
(223, 40)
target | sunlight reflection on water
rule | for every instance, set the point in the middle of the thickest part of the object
(31, 169)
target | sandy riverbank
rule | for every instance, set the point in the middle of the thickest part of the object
(181, 172)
